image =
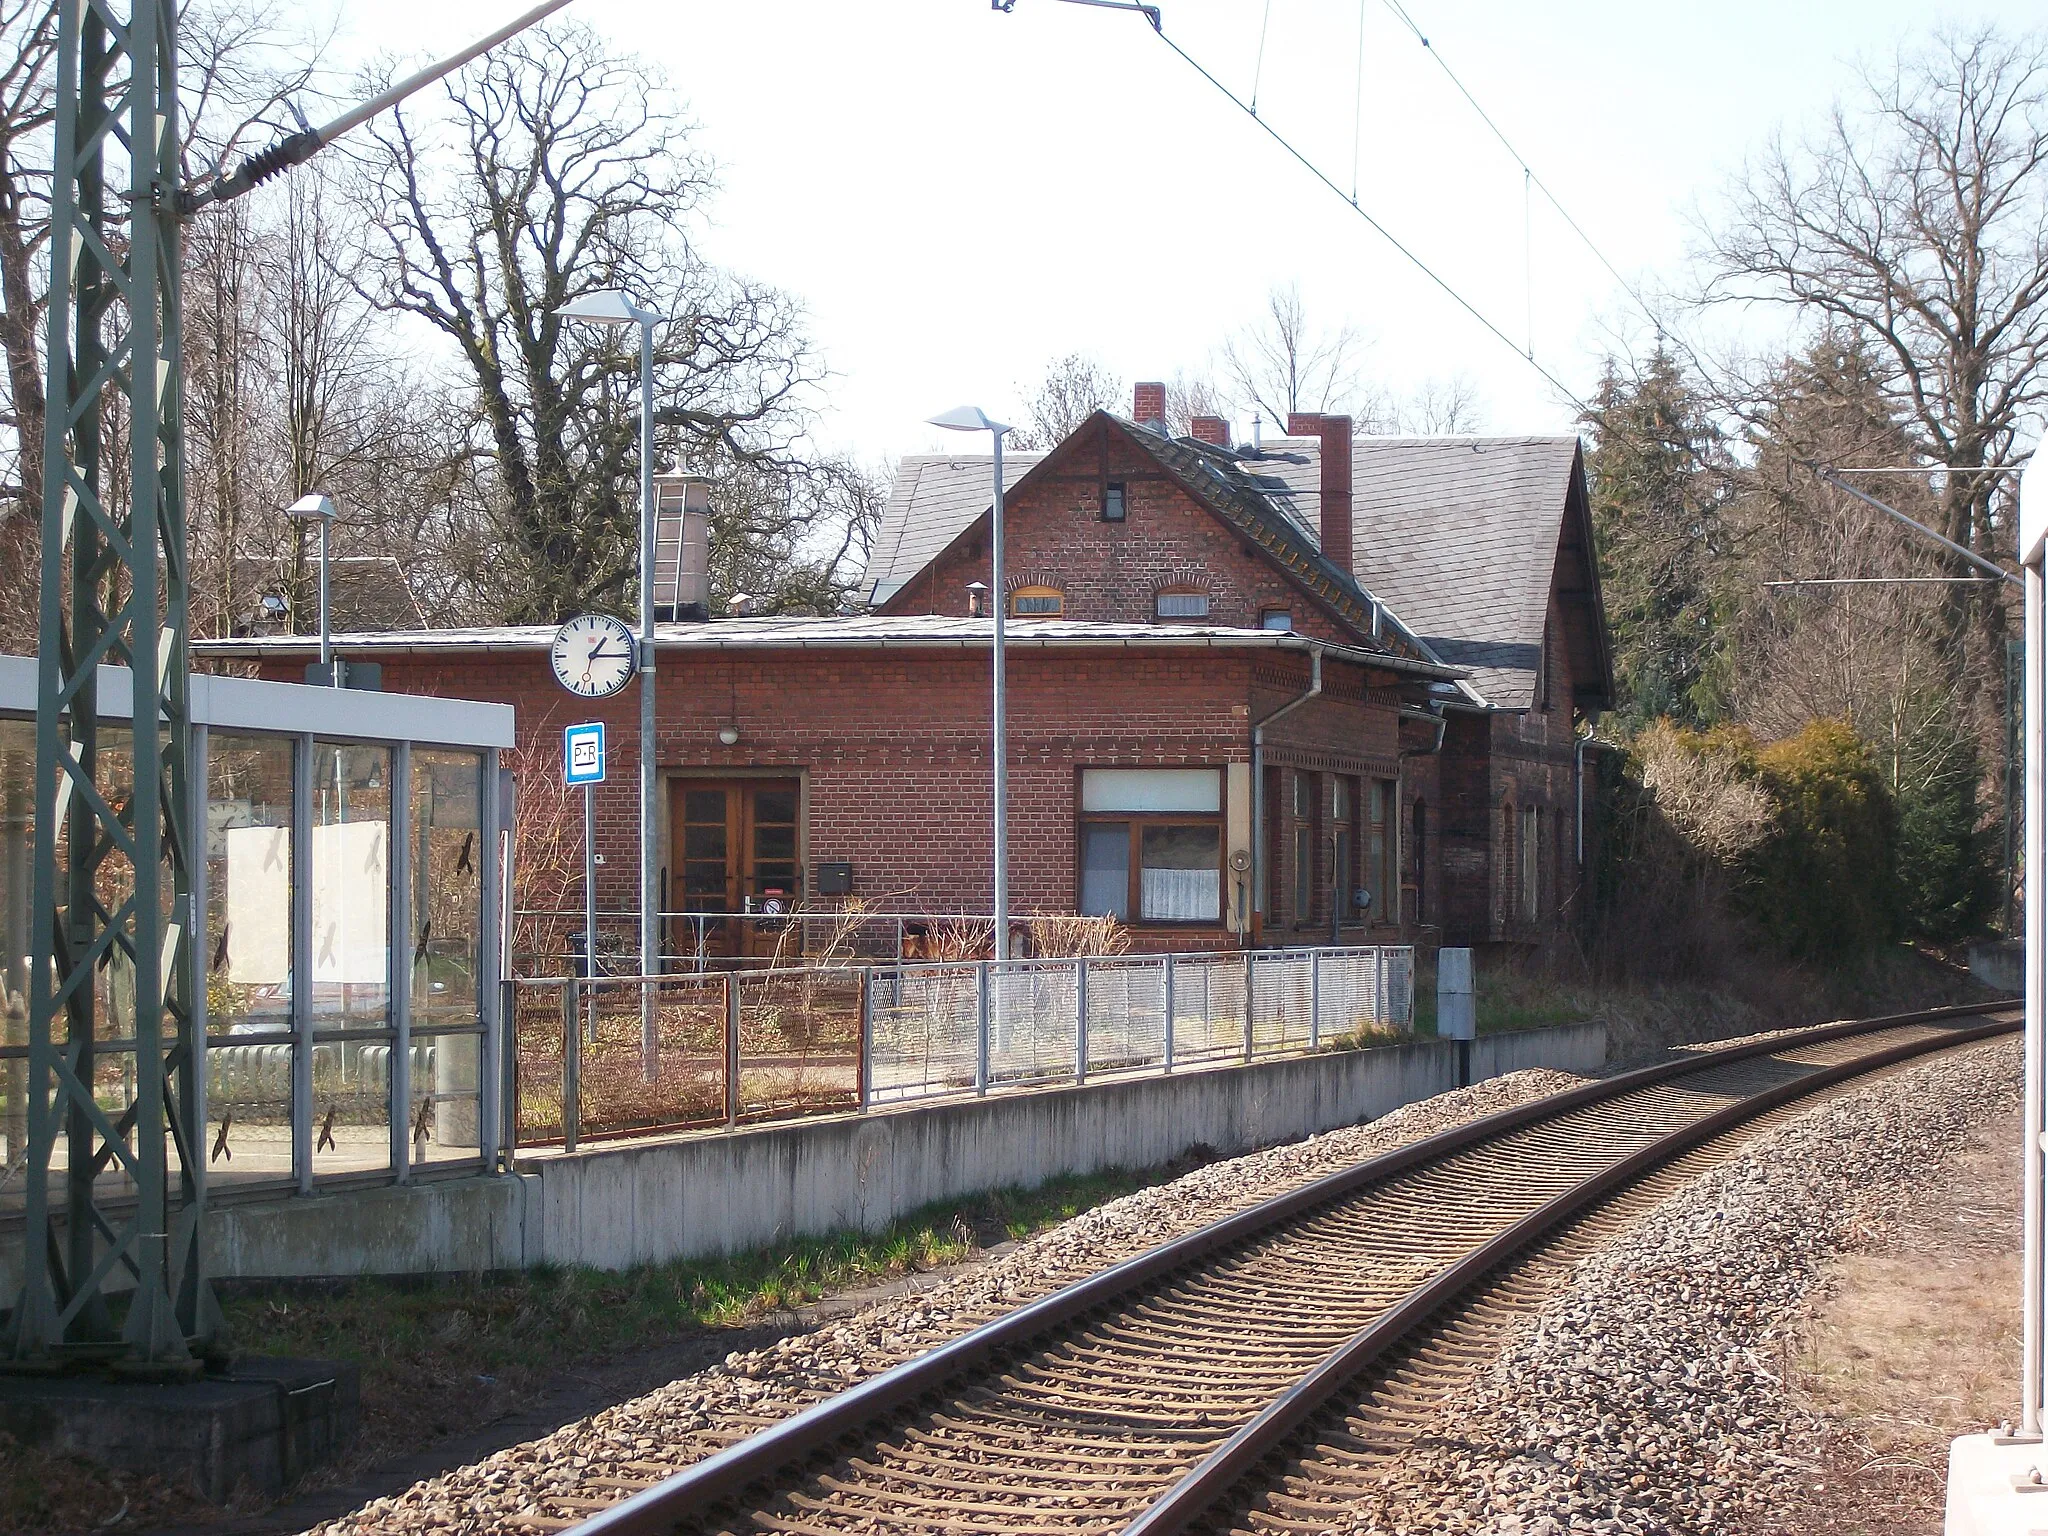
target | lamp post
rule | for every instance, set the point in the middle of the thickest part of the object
(612, 307)
(969, 418)
(316, 508)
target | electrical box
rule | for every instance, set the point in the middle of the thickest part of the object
(834, 880)
(1455, 1019)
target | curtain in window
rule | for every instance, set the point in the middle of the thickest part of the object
(1181, 895)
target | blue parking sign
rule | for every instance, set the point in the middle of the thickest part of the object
(583, 754)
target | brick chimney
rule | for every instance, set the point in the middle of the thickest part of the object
(1302, 423)
(1148, 403)
(1335, 431)
(1212, 429)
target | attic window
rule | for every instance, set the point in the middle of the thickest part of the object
(1276, 618)
(1112, 503)
(1037, 603)
(1181, 605)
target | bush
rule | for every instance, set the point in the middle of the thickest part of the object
(1823, 884)
(1714, 843)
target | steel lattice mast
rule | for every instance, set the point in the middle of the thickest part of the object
(112, 989)
(112, 903)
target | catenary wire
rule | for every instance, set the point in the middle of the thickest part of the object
(1380, 229)
(1401, 14)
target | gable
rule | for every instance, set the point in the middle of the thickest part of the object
(1468, 538)
(1255, 513)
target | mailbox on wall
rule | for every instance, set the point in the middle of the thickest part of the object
(834, 880)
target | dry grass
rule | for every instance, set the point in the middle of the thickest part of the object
(1913, 1341)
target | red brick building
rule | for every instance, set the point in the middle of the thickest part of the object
(1216, 729)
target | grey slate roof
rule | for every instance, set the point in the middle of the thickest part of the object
(1459, 535)
(1456, 536)
(934, 497)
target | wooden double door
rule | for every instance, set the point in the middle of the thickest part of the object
(736, 859)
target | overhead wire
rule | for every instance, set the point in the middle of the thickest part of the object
(1378, 228)
(1259, 62)
(1357, 103)
(1400, 13)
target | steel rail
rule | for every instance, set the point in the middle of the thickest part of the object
(803, 1436)
(1212, 1479)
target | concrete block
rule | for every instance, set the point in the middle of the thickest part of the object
(266, 1423)
(2001, 963)
(1992, 1488)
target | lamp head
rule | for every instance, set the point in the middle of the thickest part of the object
(968, 418)
(311, 509)
(607, 306)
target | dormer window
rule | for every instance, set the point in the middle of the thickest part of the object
(1181, 605)
(1112, 503)
(1037, 603)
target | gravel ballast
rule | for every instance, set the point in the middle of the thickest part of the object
(1649, 1396)
(692, 1418)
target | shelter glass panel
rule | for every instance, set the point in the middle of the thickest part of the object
(349, 969)
(447, 887)
(249, 894)
(17, 832)
(441, 1121)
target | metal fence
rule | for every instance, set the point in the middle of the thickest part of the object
(741, 1047)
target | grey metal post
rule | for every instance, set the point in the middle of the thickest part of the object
(650, 900)
(981, 1017)
(302, 962)
(199, 752)
(1248, 996)
(2032, 1348)
(732, 1048)
(864, 1063)
(1169, 1012)
(590, 900)
(399, 962)
(1315, 998)
(572, 1062)
(1080, 1018)
(326, 629)
(1002, 870)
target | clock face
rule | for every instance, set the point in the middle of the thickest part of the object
(593, 656)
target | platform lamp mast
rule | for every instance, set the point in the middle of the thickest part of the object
(121, 1194)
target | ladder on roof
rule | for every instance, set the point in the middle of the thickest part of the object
(675, 560)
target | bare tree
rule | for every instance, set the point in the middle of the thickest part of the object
(1916, 224)
(1189, 395)
(562, 170)
(1441, 407)
(1074, 388)
(1281, 363)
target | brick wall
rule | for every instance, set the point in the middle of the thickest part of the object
(892, 748)
(1055, 537)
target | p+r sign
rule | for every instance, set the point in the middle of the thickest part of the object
(583, 754)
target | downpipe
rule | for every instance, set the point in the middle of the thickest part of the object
(1260, 852)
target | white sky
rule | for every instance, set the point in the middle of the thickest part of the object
(959, 195)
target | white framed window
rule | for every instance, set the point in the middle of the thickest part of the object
(1151, 844)
(1181, 605)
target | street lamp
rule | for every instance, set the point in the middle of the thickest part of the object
(612, 307)
(318, 509)
(971, 418)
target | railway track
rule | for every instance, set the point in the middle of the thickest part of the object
(1252, 1375)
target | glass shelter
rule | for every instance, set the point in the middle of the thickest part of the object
(350, 902)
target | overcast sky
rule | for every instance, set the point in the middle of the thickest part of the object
(959, 195)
